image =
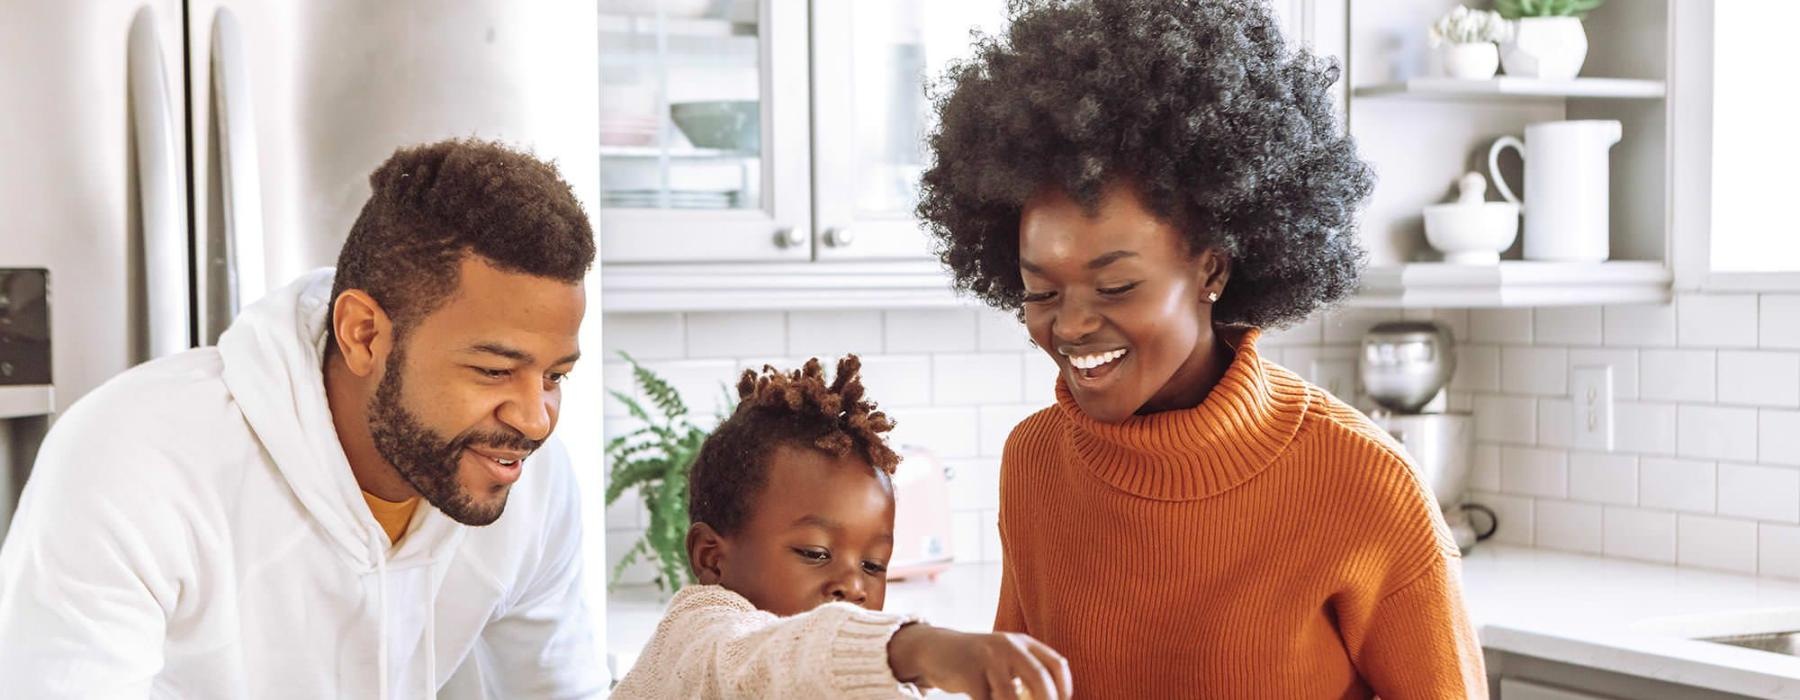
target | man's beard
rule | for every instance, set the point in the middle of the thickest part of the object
(427, 461)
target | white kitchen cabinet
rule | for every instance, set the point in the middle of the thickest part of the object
(831, 172)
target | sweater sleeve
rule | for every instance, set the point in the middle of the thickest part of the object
(1418, 642)
(713, 644)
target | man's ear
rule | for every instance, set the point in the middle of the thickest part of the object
(365, 334)
(706, 553)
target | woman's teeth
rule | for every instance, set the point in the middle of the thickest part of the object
(1092, 361)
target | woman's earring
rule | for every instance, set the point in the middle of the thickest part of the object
(1212, 297)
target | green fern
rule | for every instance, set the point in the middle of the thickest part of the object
(1517, 9)
(654, 458)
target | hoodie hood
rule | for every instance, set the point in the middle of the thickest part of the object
(273, 365)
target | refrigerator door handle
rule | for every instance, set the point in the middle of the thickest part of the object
(162, 198)
(241, 260)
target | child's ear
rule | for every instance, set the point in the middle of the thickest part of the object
(706, 554)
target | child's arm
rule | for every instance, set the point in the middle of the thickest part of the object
(713, 643)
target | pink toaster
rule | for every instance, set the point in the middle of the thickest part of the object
(922, 516)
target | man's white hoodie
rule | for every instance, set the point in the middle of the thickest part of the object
(192, 529)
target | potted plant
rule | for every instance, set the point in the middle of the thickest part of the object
(1548, 41)
(1465, 41)
(655, 458)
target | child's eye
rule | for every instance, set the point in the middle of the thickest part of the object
(874, 568)
(1121, 289)
(816, 556)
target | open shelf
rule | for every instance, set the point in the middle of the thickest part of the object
(1504, 87)
(1514, 283)
(776, 286)
(27, 400)
(676, 153)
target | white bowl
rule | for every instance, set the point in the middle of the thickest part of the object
(1472, 234)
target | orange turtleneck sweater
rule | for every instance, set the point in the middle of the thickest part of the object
(1270, 542)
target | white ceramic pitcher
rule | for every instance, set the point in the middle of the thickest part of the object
(1566, 201)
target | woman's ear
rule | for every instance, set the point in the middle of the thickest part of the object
(706, 553)
(1213, 268)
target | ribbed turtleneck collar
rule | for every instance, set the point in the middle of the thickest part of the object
(1245, 422)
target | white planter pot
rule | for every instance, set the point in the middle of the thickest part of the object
(1470, 61)
(1551, 48)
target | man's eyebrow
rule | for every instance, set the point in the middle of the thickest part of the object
(512, 353)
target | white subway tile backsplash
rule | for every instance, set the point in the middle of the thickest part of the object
(1566, 325)
(1513, 514)
(1644, 428)
(1040, 378)
(991, 549)
(736, 333)
(1677, 484)
(897, 381)
(1485, 475)
(616, 376)
(1716, 543)
(1535, 370)
(1639, 325)
(963, 380)
(1624, 364)
(1556, 423)
(975, 484)
(618, 544)
(1717, 320)
(965, 536)
(1632, 533)
(1531, 471)
(1507, 419)
(830, 334)
(950, 433)
(1477, 368)
(1778, 437)
(1779, 321)
(930, 330)
(1759, 378)
(1596, 477)
(1001, 331)
(1348, 325)
(1763, 493)
(702, 384)
(627, 513)
(1677, 375)
(1572, 527)
(997, 423)
(1778, 551)
(1457, 320)
(1717, 432)
(644, 336)
(1510, 326)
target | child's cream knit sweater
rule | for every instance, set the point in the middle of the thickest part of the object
(712, 643)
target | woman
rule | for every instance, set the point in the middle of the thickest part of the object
(1147, 183)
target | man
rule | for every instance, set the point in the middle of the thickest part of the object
(245, 520)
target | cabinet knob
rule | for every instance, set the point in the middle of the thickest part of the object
(790, 238)
(840, 237)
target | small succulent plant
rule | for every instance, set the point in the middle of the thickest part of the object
(1517, 9)
(1465, 26)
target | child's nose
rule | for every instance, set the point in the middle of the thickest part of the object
(849, 588)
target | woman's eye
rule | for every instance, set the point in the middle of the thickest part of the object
(816, 556)
(1035, 297)
(1121, 289)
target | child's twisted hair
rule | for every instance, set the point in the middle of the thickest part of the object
(797, 408)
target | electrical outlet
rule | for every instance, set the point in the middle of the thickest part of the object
(1337, 377)
(1591, 391)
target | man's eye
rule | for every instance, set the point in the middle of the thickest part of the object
(492, 373)
(558, 377)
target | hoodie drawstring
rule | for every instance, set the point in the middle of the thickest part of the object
(381, 640)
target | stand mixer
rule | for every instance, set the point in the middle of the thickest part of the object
(1405, 367)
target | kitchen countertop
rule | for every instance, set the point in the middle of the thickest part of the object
(1629, 617)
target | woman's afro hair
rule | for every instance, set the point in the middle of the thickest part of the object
(1227, 132)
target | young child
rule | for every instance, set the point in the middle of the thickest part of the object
(792, 505)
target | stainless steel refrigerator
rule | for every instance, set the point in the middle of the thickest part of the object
(170, 161)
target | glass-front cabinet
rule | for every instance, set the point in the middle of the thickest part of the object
(770, 130)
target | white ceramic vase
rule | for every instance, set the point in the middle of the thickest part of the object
(1551, 48)
(1470, 61)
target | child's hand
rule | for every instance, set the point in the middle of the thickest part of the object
(983, 665)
